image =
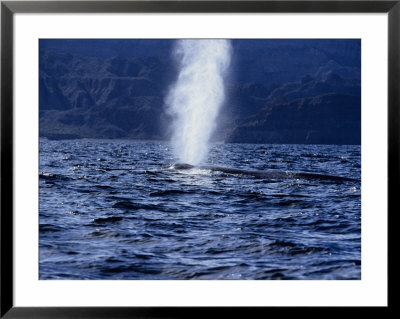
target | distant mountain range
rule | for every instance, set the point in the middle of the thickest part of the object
(278, 91)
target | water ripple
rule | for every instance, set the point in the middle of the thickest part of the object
(116, 210)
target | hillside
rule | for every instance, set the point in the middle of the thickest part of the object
(278, 91)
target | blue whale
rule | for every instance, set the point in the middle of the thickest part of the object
(265, 174)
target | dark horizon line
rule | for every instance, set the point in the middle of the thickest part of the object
(167, 140)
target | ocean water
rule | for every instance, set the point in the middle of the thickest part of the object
(117, 210)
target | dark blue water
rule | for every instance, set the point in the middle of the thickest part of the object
(116, 210)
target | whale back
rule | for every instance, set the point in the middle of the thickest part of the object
(182, 166)
(266, 174)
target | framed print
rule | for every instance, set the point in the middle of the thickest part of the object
(160, 158)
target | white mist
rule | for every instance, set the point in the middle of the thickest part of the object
(197, 95)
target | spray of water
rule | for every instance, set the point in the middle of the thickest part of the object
(197, 95)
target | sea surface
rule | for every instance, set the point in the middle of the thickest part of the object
(117, 210)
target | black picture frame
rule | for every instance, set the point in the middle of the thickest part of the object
(9, 8)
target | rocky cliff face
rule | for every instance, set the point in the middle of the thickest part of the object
(324, 119)
(278, 91)
(101, 98)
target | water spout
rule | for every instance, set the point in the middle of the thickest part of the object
(196, 97)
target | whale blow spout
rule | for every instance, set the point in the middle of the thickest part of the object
(195, 99)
